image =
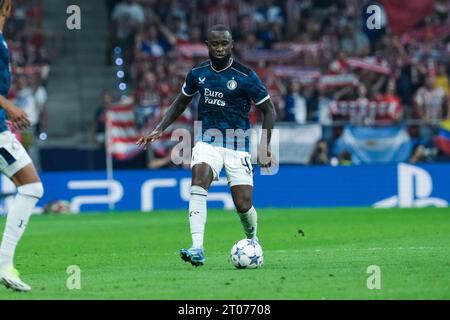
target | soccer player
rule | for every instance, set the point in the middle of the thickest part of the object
(226, 90)
(16, 164)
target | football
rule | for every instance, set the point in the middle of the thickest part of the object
(247, 254)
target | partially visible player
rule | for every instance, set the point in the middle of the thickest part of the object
(226, 89)
(16, 164)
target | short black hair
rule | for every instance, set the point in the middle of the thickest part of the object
(219, 27)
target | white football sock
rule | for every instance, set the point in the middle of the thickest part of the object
(197, 215)
(17, 220)
(249, 221)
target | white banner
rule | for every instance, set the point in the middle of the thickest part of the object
(296, 142)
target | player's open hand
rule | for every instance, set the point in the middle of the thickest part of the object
(144, 141)
(18, 117)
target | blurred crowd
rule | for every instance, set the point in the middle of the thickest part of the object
(30, 68)
(319, 60)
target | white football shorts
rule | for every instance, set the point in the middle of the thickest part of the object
(238, 165)
(13, 156)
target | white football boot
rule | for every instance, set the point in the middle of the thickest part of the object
(9, 277)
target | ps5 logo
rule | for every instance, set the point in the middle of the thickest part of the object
(414, 189)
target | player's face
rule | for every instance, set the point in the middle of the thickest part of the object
(219, 45)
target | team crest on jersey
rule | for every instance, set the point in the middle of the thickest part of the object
(201, 80)
(232, 84)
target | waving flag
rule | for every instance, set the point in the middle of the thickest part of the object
(404, 15)
(442, 140)
(370, 63)
(254, 56)
(304, 75)
(122, 133)
(387, 109)
(338, 80)
(369, 145)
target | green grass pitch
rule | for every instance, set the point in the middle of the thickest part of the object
(309, 254)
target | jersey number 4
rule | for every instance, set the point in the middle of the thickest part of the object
(246, 163)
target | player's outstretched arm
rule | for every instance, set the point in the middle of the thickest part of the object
(270, 115)
(17, 116)
(175, 110)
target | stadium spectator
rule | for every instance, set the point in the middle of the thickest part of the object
(148, 100)
(442, 80)
(269, 20)
(422, 154)
(25, 99)
(432, 106)
(442, 10)
(99, 127)
(128, 18)
(179, 28)
(149, 43)
(195, 35)
(361, 99)
(40, 98)
(323, 113)
(354, 42)
(320, 154)
(418, 154)
(394, 110)
(246, 26)
(345, 158)
(220, 12)
(295, 104)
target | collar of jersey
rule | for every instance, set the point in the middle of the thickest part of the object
(210, 63)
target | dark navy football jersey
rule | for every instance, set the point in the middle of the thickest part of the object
(225, 101)
(5, 78)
